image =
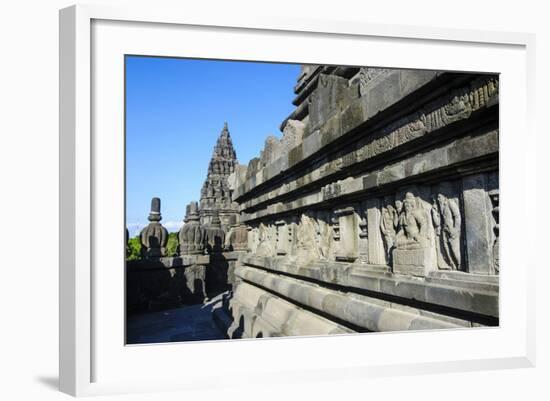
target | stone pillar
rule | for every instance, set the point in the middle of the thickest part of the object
(363, 238)
(283, 240)
(348, 224)
(376, 245)
(477, 211)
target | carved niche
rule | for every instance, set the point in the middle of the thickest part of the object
(348, 234)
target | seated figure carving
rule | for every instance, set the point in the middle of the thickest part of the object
(412, 231)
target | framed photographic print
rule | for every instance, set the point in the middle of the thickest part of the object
(295, 197)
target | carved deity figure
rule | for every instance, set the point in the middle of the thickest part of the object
(307, 248)
(388, 228)
(447, 223)
(323, 237)
(412, 232)
(266, 240)
(154, 237)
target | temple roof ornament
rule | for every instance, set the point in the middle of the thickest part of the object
(154, 237)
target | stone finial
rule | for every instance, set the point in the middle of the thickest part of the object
(215, 235)
(191, 235)
(155, 215)
(154, 237)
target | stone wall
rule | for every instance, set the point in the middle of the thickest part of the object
(377, 209)
(167, 282)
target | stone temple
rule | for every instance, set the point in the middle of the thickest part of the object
(377, 210)
(215, 196)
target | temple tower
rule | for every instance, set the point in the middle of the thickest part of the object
(215, 195)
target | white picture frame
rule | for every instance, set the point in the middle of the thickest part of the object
(92, 39)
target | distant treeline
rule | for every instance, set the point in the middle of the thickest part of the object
(134, 246)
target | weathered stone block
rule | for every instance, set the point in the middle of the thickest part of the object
(411, 80)
(471, 148)
(477, 212)
(326, 99)
(348, 224)
(382, 94)
(415, 262)
(352, 116)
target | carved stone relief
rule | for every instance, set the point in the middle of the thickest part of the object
(266, 241)
(413, 253)
(388, 225)
(306, 241)
(447, 223)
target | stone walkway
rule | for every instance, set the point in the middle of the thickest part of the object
(187, 323)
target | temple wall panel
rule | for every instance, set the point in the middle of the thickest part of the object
(378, 208)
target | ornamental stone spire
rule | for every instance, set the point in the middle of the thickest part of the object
(215, 194)
(154, 237)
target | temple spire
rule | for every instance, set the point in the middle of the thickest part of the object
(215, 195)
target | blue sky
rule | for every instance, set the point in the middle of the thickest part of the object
(175, 110)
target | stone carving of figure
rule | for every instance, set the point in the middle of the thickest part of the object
(306, 242)
(324, 237)
(253, 237)
(387, 227)
(191, 235)
(154, 237)
(265, 238)
(412, 230)
(398, 210)
(447, 223)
